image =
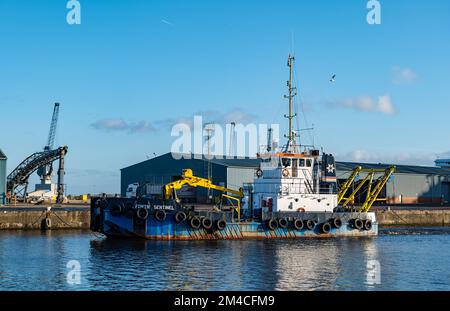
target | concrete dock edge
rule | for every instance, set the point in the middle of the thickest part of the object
(79, 217)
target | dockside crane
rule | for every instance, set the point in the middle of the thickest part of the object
(45, 172)
(42, 163)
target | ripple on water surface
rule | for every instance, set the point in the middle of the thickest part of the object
(404, 258)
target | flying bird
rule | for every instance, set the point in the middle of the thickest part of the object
(333, 79)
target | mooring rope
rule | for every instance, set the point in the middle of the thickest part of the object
(40, 216)
(69, 225)
(399, 217)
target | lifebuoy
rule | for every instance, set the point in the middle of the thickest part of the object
(272, 224)
(180, 217)
(309, 224)
(160, 215)
(336, 222)
(285, 172)
(221, 224)
(325, 227)
(206, 223)
(259, 173)
(298, 224)
(195, 222)
(282, 223)
(367, 224)
(142, 213)
(301, 209)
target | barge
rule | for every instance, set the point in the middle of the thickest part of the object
(294, 195)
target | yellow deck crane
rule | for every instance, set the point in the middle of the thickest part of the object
(373, 190)
(188, 178)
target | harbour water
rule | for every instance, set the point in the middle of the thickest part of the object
(398, 259)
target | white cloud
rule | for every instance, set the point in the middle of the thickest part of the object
(164, 21)
(121, 125)
(366, 103)
(385, 105)
(403, 75)
(236, 115)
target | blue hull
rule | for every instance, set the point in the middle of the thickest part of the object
(118, 226)
(156, 220)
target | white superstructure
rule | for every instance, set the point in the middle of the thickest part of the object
(290, 180)
(293, 182)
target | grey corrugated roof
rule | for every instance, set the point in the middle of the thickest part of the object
(341, 166)
(2, 155)
(219, 160)
(238, 162)
(406, 169)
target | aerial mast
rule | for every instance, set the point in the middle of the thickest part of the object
(292, 92)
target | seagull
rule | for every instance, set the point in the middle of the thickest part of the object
(333, 79)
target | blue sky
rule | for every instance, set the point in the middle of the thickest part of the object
(133, 67)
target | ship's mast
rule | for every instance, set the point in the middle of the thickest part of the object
(291, 145)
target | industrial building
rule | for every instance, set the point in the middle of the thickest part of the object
(410, 184)
(2, 177)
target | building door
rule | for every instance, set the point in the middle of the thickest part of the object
(446, 191)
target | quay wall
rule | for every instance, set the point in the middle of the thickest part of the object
(79, 218)
(34, 218)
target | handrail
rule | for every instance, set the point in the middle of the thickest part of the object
(238, 208)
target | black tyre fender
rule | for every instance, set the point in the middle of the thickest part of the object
(298, 224)
(325, 227)
(367, 224)
(142, 213)
(357, 223)
(46, 223)
(282, 223)
(160, 215)
(336, 222)
(272, 224)
(195, 222)
(180, 217)
(221, 224)
(207, 223)
(309, 224)
(116, 209)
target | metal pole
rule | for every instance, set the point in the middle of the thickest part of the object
(60, 197)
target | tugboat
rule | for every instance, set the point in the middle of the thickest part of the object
(294, 195)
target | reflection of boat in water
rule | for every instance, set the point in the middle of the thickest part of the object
(294, 195)
(307, 266)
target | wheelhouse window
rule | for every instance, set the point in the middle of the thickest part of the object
(302, 163)
(286, 162)
(308, 162)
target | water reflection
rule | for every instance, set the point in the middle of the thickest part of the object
(37, 261)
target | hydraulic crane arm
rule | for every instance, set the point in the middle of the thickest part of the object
(373, 194)
(348, 183)
(188, 178)
(374, 187)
